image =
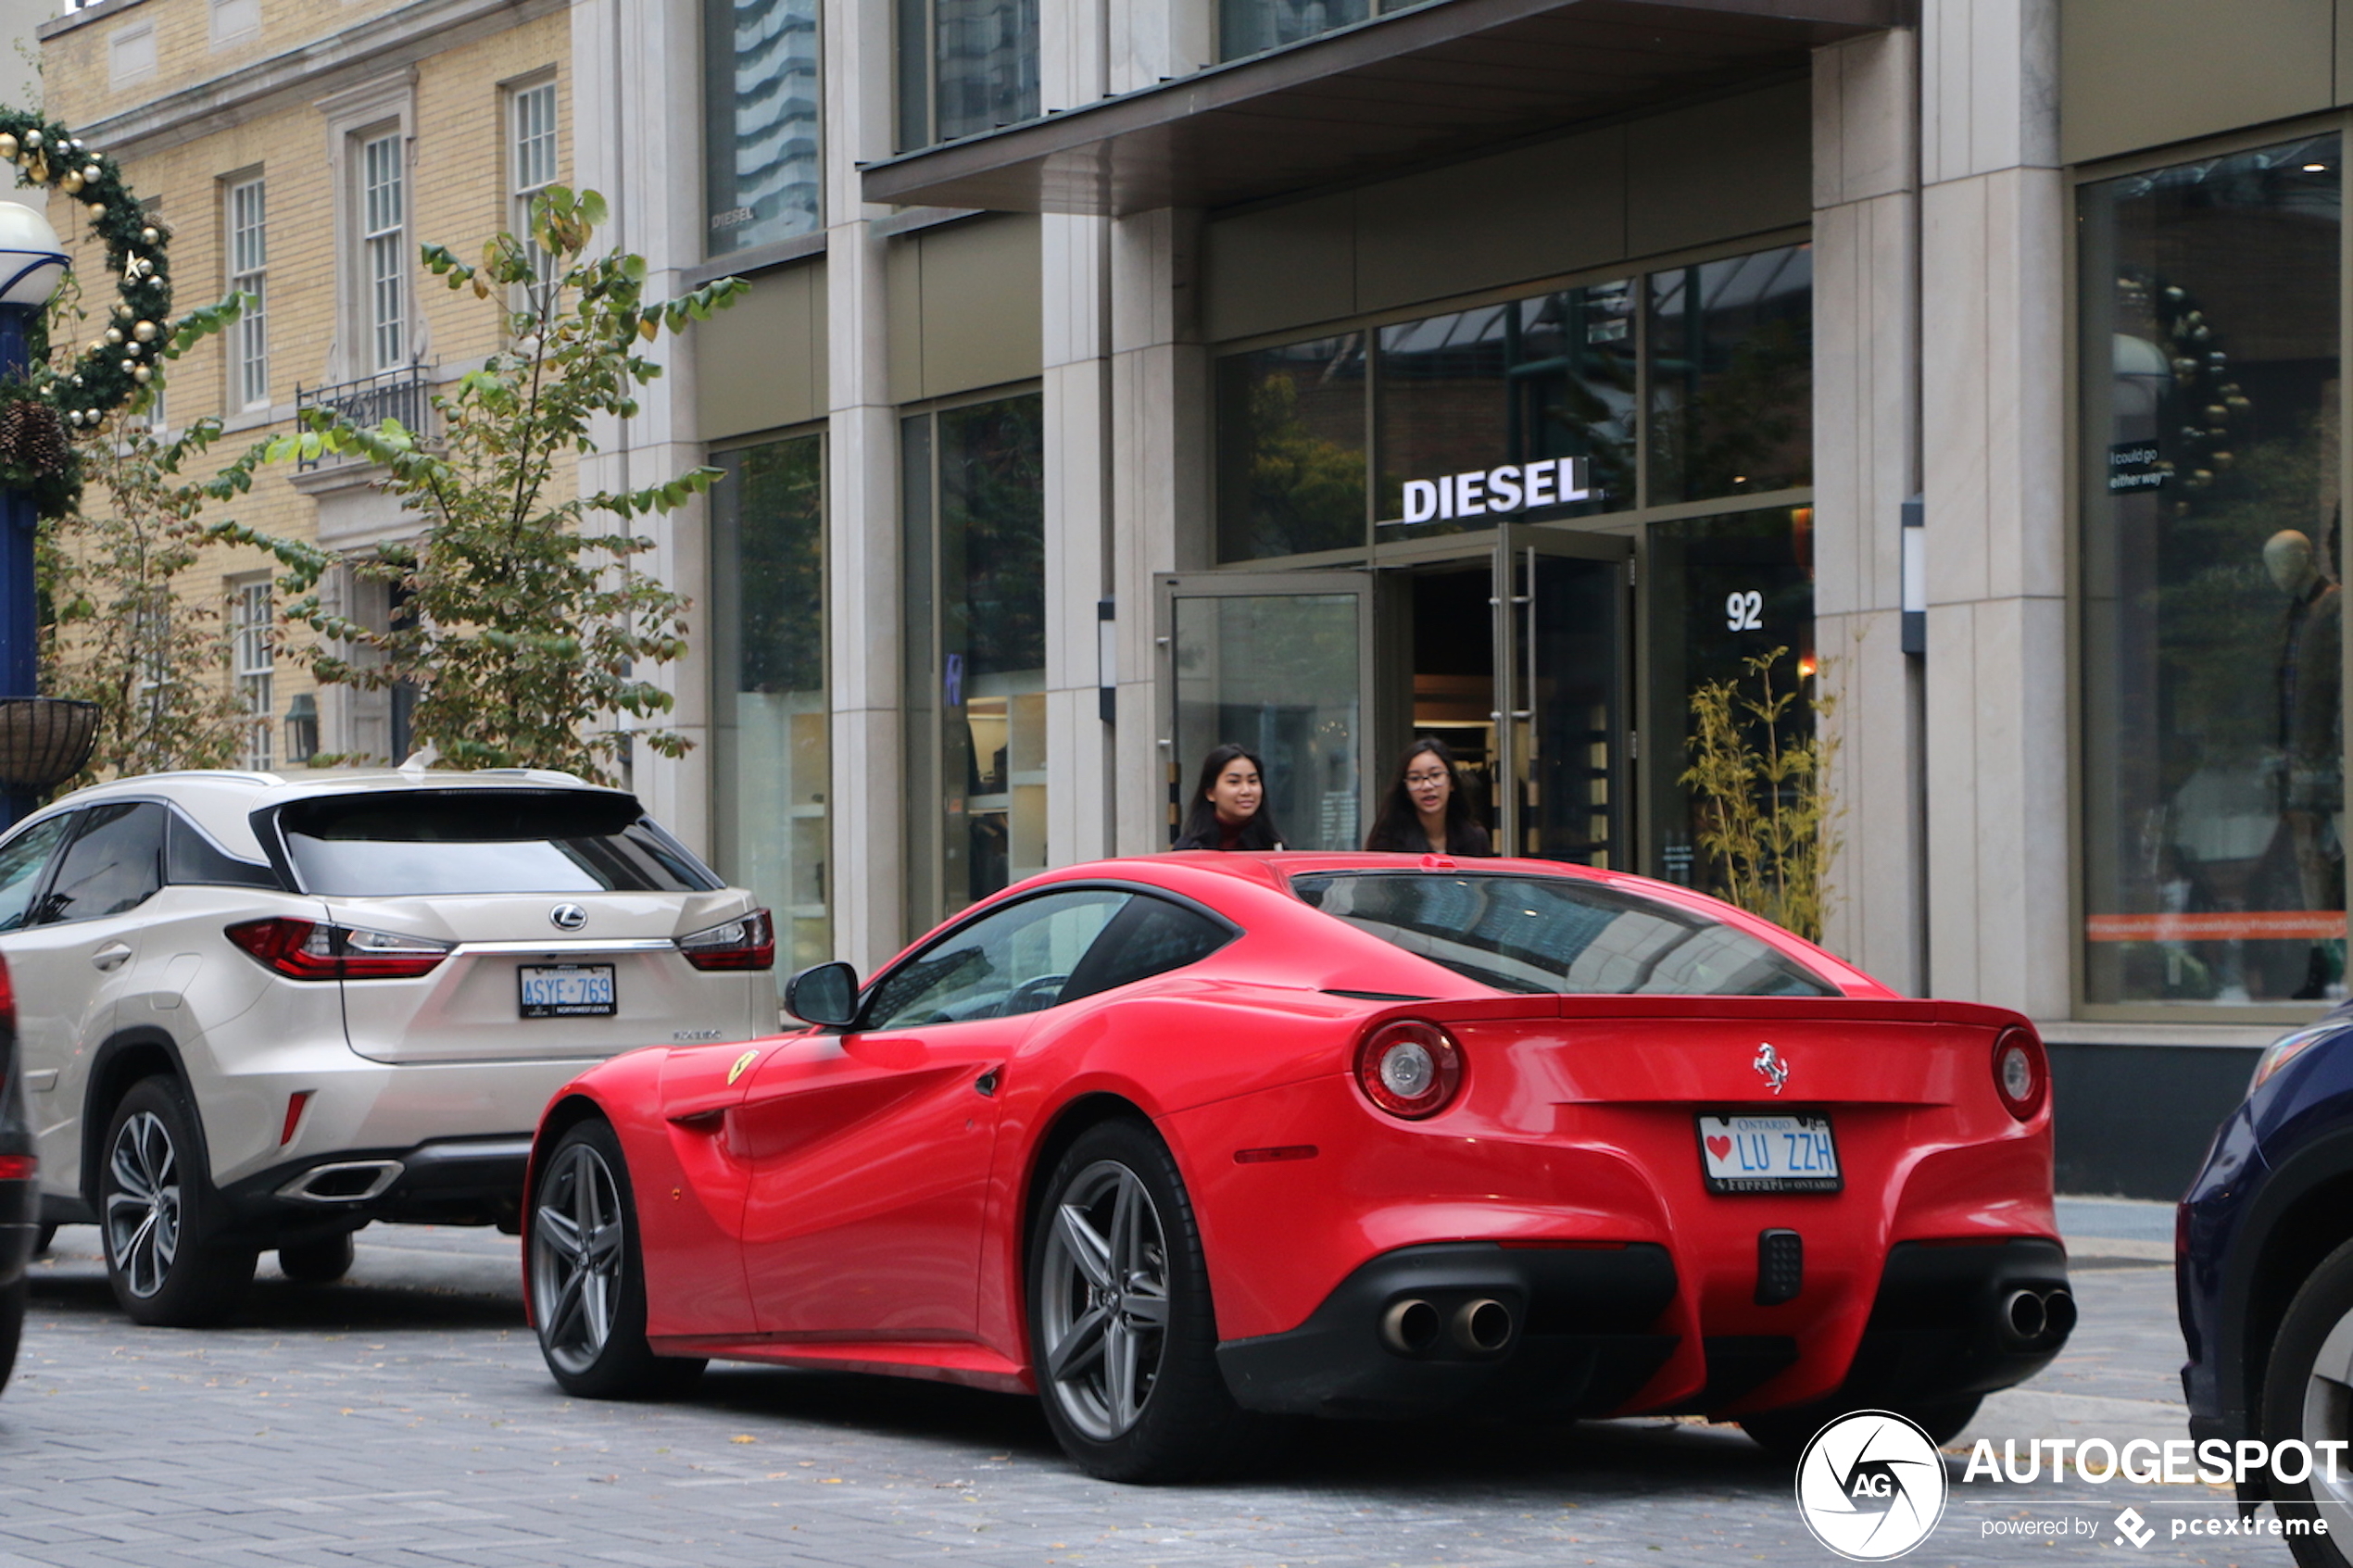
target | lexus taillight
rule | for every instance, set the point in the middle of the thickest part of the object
(1410, 1069)
(7, 1000)
(2022, 1076)
(303, 949)
(746, 942)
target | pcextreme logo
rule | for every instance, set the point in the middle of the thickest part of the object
(1870, 1485)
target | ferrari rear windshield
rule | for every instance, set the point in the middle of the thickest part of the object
(1557, 935)
(483, 841)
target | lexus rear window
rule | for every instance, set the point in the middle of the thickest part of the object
(1555, 934)
(483, 841)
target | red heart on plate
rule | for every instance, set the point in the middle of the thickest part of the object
(1720, 1147)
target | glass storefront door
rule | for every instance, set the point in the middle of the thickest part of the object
(1561, 635)
(1277, 662)
(1511, 648)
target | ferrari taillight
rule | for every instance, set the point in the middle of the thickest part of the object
(18, 1167)
(303, 949)
(1410, 1069)
(746, 942)
(2022, 1076)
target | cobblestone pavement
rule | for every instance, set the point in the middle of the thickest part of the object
(403, 1417)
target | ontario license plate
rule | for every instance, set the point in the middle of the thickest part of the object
(566, 990)
(1778, 1152)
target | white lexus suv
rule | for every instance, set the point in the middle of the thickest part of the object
(258, 1012)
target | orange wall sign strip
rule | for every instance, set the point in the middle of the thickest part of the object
(2220, 925)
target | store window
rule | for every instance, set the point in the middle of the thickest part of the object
(974, 574)
(1246, 27)
(760, 122)
(964, 67)
(2211, 560)
(771, 752)
(1550, 377)
(1529, 409)
(1290, 450)
(1731, 376)
(1723, 591)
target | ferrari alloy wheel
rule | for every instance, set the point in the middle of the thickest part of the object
(588, 1275)
(2308, 1394)
(1122, 1331)
(156, 1216)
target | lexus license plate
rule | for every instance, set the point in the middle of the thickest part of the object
(567, 990)
(1777, 1152)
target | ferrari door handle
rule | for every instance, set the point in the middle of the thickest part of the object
(112, 956)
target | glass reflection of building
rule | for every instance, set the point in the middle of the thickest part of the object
(761, 128)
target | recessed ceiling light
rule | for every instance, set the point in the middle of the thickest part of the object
(2316, 169)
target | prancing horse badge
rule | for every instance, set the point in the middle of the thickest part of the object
(741, 1063)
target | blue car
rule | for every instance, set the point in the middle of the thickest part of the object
(2263, 1267)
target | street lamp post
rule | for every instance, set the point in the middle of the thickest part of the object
(32, 265)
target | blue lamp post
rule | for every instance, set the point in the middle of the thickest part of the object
(32, 265)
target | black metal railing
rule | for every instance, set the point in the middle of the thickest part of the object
(404, 394)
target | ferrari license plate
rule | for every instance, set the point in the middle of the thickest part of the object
(1778, 1152)
(567, 990)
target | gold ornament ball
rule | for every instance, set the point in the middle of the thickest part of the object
(122, 312)
(149, 236)
(128, 366)
(114, 334)
(142, 375)
(98, 209)
(97, 346)
(71, 183)
(145, 332)
(8, 148)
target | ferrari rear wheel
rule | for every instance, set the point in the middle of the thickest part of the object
(1121, 1328)
(588, 1275)
(2308, 1394)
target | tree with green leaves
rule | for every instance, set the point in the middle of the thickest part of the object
(528, 623)
(1768, 822)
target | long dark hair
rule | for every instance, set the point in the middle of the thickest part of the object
(1399, 826)
(1203, 830)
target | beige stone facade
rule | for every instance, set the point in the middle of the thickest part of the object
(200, 98)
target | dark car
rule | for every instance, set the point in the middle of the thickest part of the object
(20, 1194)
(2264, 1270)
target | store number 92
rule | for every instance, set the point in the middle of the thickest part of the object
(1744, 611)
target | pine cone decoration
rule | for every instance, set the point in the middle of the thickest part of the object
(33, 439)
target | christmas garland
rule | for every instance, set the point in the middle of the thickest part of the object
(39, 411)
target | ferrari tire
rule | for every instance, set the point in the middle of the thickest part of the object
(2308, 1394)
(157, 1216)
(1785, 1432)
(1122, 1331)
(588, 1275)
(320, 1260)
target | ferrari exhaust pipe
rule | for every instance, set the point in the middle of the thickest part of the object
(1409, 1327)
(2058, 1314)
(1482, 1327)
(2024, 1317)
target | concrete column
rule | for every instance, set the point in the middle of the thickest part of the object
(1994, 414)
(1075, 313)
(1162, 488)
(632, 60)
(1866, 464)
(867, 880)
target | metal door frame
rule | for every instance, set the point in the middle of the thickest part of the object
(1520, 543)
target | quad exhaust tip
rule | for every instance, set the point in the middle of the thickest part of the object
(2031, 1317)
(1413, 1326)
(350, 1181)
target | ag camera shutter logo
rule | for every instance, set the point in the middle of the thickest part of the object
(1870, 1485)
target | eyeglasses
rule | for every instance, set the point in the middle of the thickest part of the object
(1424, 778)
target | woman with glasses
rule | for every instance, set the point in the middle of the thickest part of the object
(1427, 810)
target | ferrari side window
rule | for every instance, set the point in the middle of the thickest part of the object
(1016, 959)
(1150, 936)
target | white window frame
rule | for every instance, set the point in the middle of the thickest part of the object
(246, 208)
(385, 107)
(533, 154)
(253, 665)
(383, 247)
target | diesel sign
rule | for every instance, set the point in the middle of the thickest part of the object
(1548, 482)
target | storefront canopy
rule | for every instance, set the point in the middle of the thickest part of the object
(1369, 99)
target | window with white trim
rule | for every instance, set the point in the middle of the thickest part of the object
(531, 119)
(384, 219)
(248, 251)
(254, 658)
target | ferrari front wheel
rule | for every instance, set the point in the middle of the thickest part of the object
(1122, 1331)
(588, 1275)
